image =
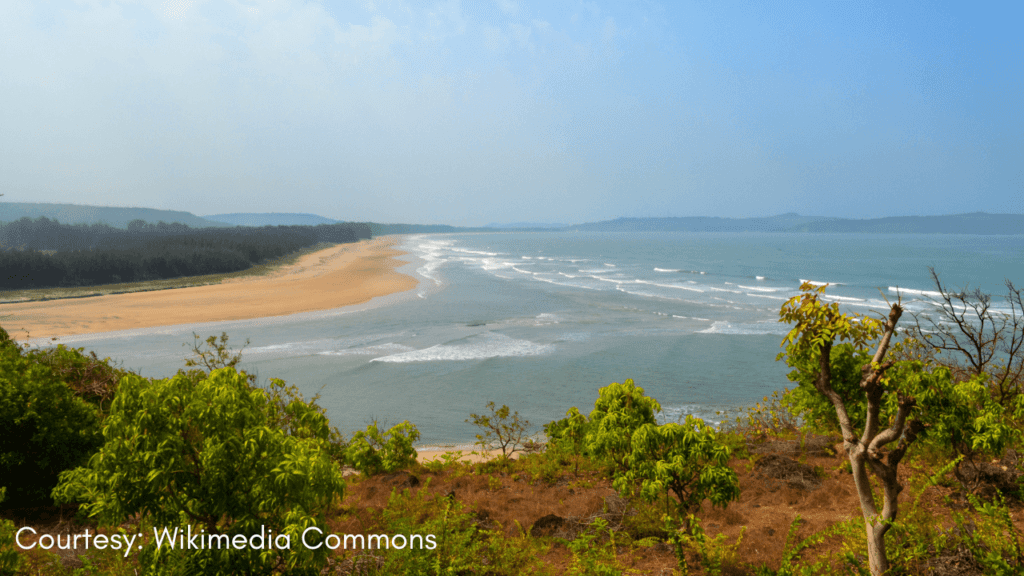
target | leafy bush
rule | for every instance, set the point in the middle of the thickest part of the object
(46, 429)
(89, 377)
(568, 435)
(10, 561)
(816, 411)
(588, 557)
(687, 460)
(372, 452)
(207, 454)
(619, 410)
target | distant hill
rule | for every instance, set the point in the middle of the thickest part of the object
(117, 217)
(974, 223)
(525, 225)
(782, 223)
(270, 219)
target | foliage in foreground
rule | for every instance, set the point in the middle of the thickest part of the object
(182, 452)
(373, 452)
(893, 404)
(46, 428)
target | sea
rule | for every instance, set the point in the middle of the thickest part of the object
(539, 321)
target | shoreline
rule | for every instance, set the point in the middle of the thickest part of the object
(335, 277)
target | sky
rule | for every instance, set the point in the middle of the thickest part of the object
(511, 111)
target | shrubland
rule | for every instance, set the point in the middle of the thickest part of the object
(890, 455)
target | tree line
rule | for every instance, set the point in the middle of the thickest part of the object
(44, 253)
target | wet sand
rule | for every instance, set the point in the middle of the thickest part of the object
(341, 275)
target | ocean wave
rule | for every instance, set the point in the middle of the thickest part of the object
(759, 277)
(675, 286)
(467, 251)
(817, 283)
(760, 288)
(767, 296)
(929, 293)
(645, 294)
(757, 329)
(375, 350)
(667, 270)
(844, 299)
(479, 347)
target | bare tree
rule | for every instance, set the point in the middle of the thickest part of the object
(974, 337)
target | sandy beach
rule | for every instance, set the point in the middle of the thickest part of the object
(341, 275)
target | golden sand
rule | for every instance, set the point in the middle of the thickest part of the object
(342, 275)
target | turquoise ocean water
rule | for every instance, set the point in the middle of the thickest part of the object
(540, 321)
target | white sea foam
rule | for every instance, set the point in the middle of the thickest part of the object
(760, 289)
(756, 329)
(376, 350)
(846, 299)
(675, 286)
(767, 296)
(609, 265)
(644, 293)
(929, 293)
(759, 277)
(467, 251)
(667, 270)
(479, 347)
(431, 252)
(817, 283)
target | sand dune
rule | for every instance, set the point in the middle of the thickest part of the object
(342, 275)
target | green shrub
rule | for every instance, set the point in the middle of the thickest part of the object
(373, 452)
(206, 453)
(10, 560)
(46, 429)
(686, 460)
(568, 435)
(619, 410)
(589, 558)
(92, 379)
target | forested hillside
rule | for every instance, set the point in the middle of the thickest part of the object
(44, 253)
(112, 215)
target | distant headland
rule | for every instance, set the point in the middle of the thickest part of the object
(972, 223)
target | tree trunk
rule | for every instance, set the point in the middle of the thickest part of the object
(878, 561)
(874, 526)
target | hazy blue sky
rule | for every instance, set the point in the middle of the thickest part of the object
(477, 112)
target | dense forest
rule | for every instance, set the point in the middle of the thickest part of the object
(44, 253)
